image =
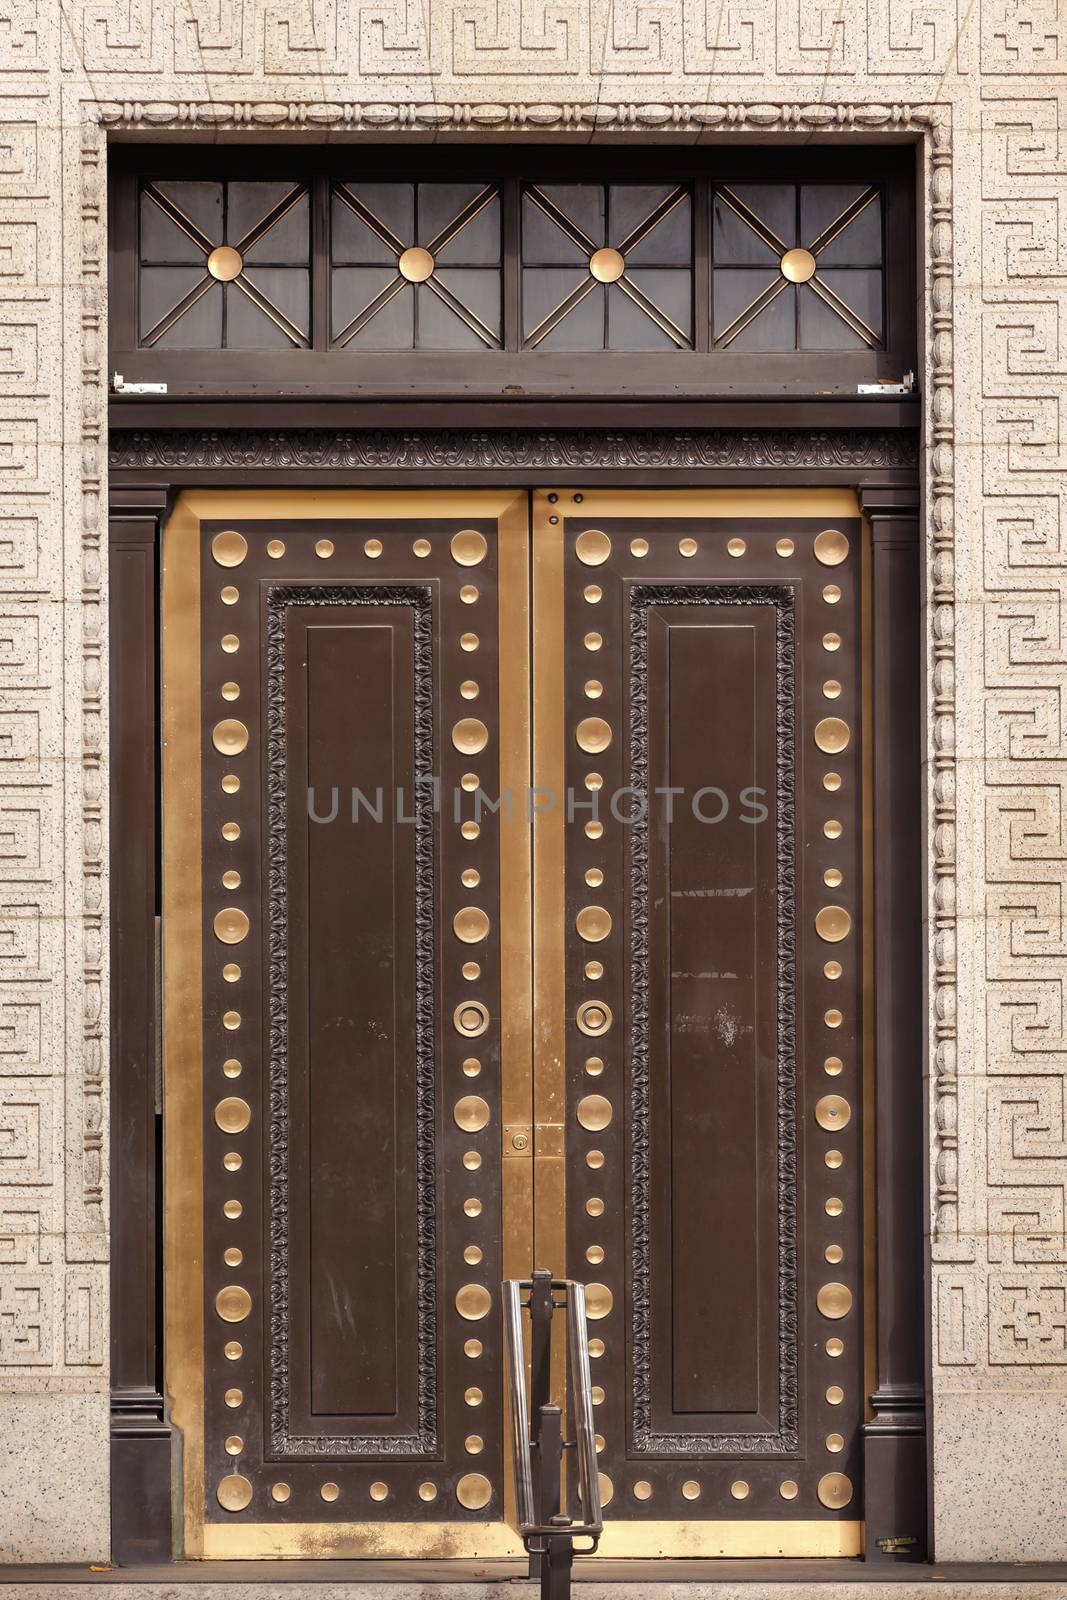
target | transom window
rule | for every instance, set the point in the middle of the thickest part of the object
(682, 260)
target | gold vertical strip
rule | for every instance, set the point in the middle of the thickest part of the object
(516, 978)
(183, 1059)
(549, 959)
(869, 1000)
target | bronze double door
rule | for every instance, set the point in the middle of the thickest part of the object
(513, 908)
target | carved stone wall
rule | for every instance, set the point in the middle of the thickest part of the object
(979, 89)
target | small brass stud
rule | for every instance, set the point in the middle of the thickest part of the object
(833, 1066)
(831, 594)
(469, 689)
(422, 548)
(232, 1209)
(691, 1489)
(788, 1489)
(232, 1067)
(736, 547)
(642, 1489)
(232, 1163)
(834, 1255)
(275, 549)
(834, 1207)
(468, 641)
(832, 970)
(324, 549)
(594, 830)
(232, 1350)
(594, 1066)
(607, 1489)
(832, 782)
(234, 1444)
(330, 1492)
(231, 1020)
(427, 1491)
(834, 1395)
(785, 547)
(594, 969)
(831, 689)
(472, 1397)
(472, 1160)
(594, 781)
(468, 594)
(230, 643)
(224, 263)
(470, 830)
(834, 1159)
(607, 265)
(739, 1489)
(833, 1018)
(471, 970)
(231, 972)
(472, 1207)
(472, 1255)
(595, 1160)
(472, 1067)
(833, 877)
(233, 1257)
(835, 1347)
(687, 547)
(595, 1254)
(469, 782)
(230, 783)
(373, 548)
(230, 691)
(230, 594)
(593, 689)
(831, 641)
(379, 1491)
(592, 594)
(280, 1492)
(835, 1443)
(596, 1349)
(472, 1348)
(233, 1398)
(231, 831)
(639, 548)
(474, 1444)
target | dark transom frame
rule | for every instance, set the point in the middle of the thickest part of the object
(512, 373)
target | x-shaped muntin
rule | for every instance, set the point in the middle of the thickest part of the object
(163, 325)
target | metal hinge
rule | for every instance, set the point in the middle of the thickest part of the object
(120, 386)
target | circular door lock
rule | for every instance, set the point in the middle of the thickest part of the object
(594, 1017)
(471, 1018)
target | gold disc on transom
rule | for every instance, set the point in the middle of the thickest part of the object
(224, 263)
(798, 265)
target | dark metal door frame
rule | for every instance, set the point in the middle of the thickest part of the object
(147, 470)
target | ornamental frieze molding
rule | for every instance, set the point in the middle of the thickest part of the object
(515, 449)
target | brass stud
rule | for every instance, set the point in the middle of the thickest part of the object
(593, 641)
(687, 547)
(594, 1066)
(469, 736)
(595, 1160)
(229, 737)
(469, 689)
(594, 830)
(639, 548)
(736, 547)
(468, 594)
(832, 970)
(592, 547)
(473, 1302)
(691, 1489)
(230, 643)
(785, 547)
(593, 735)
(833, 877)
(834, 1491)
(834, 1395)
(833, 1112)
(230, 691)
(594, 1206)
(470, 830)
(593, 923)
(788, 1489)
(833, 1066)
(468, 641)
(373, 548)
(470, 925)
(598, 1301)
(233, 1398)
(230, 783)
(594, 781)
(415, 264)
(472, 1397)
(379, 1491)
(830, 547)
(607, 1489)
(229, 549)
(596, 1349)
(473, 1491)
(831, 594)
(593, 689)
(233, 1163)
(833, 923)
(471, 970)
(280, 1492)
(234, 1493)
(739, 1489)
(607, 265)
(427, 1491)
(233, 1303)
(330, 1492)
(224, 263)
(471, 1018)
(474, 1444)
(471, 1113)
(231, 1020)
(831, 641)
(234, 1445)
(233, 1257)
(594, 1112)
(472, 1207)
(835, 1347)
(594, 969)
(324, 549)
(642, 1489)
(231, 925)
(835, 1443)
(275, 549)
(232, 1209)
(592, 594)
(233, 1115)
(594, 1018)
(832, 735)
(468, 548)
(232, 1067)
(834, 1206)
(797, 265)
(834, 1300)
(472, 1160)
(595, 1255)
(470, 877)
(472, 1067)
(230, 594)
(834, 1159)
(232, 1350)
(469, 782)
(597, 1394)
(231, 972)
(833, 1018)
(594, 877)
(472, 1348)
(831, 689)
(231, 831)
(422, 548)
(600, 1442)
(832, 782)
